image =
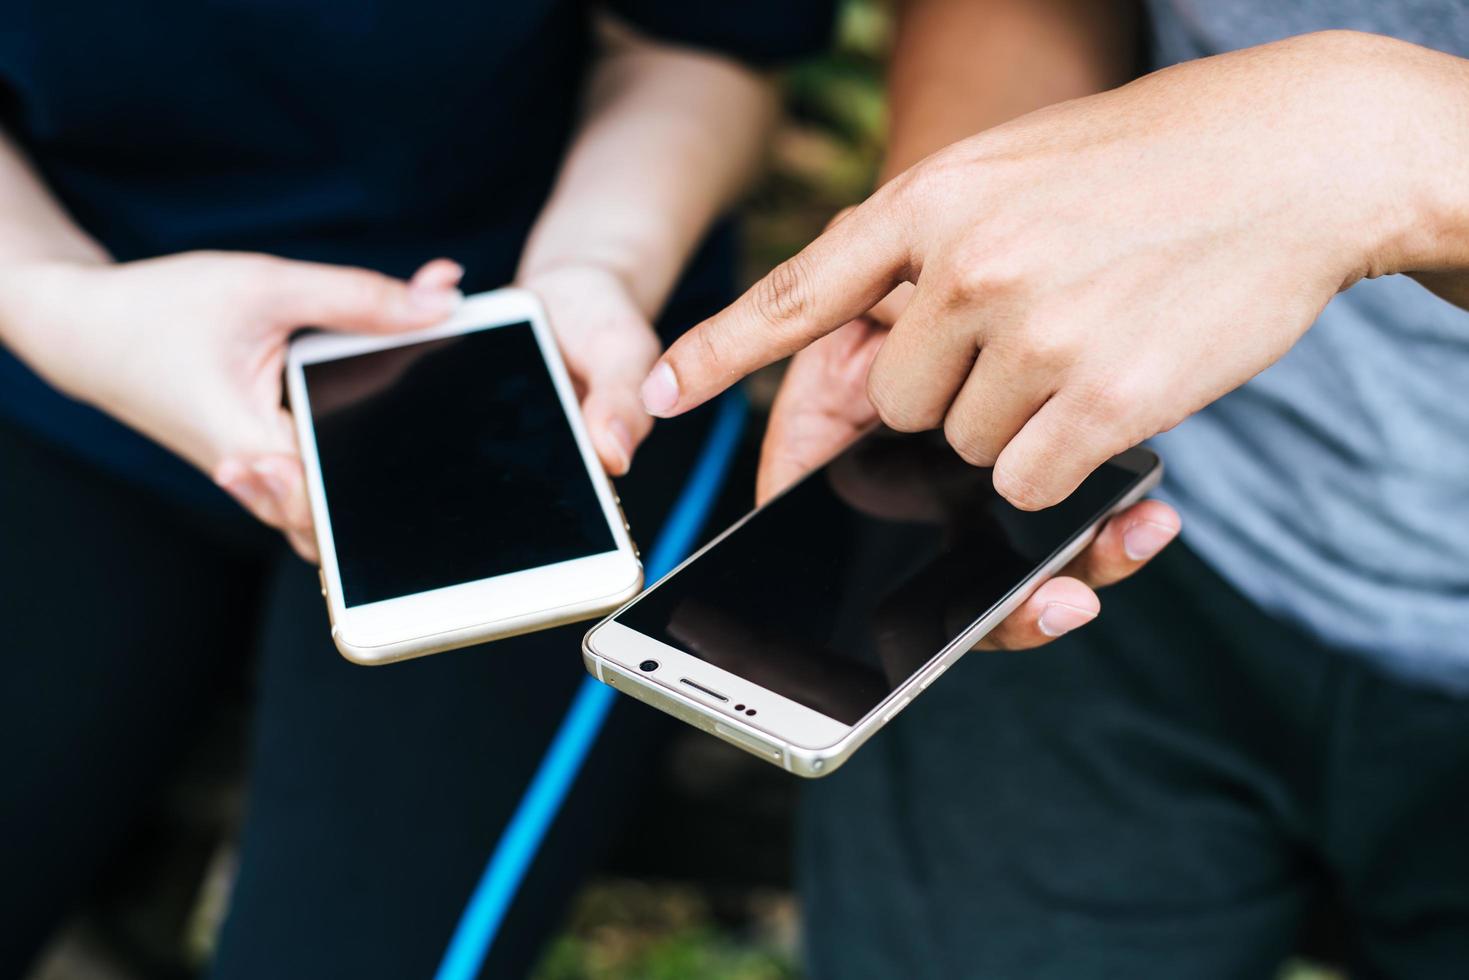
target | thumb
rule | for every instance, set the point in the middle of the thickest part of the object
(347, 298)
(821, 408)
(611, 405)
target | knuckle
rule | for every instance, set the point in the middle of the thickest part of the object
(967, 444)
(896, 418)
(256, 282)
(213, 260)
(1103, 409)
(1016, 484)
(837, 218)
(1039, 349)
(784, 294)
(894, 411)
(909, 183)
(885, 414)
(934, 175)
(714, 353)
(363, 290)
(975, 276)
(964, 285)
(258, 269)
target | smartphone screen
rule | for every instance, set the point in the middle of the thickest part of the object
(449, 461)
(838, 592)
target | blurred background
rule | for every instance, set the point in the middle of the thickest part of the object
(726, 913)
(652, 912)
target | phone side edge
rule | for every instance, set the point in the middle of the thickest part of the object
(555, 361)
(821, 761)
(906, 693)
(299, 404)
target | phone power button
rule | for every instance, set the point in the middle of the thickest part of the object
(898, 705)
(932, 676)
(627, 527)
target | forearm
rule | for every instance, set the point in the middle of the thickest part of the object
(962, 66)
(669, 138)
(34, 226)
(35, 232)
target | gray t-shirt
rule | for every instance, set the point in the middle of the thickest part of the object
(1333, 489)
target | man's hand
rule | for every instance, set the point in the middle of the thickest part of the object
(189, 351)
(822, 408)
(1090, 274)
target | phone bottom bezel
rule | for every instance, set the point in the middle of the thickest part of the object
(784, 732)
(490, 609)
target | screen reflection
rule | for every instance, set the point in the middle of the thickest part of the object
(842, 589)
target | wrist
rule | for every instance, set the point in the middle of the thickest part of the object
(28, 285)
(580, 276)
(32, 325)
(642, 262)
(1416, 215)
(1435, 236)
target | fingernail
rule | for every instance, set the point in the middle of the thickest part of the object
(1059, 618)
(274, 482)
(621, 440)
(436, 300)
(1145, 539)
(660, 390)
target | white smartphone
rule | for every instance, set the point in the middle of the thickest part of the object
(456, 495)
(808, 625)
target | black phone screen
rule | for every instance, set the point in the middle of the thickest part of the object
(839, 591)
(449, 461)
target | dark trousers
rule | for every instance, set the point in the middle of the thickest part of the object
(1168, 793)
(375, 794)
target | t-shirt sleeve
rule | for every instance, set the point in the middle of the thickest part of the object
(760, 32)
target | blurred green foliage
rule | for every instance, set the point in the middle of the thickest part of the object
(637, 930)
(703, 952)
(826, 152)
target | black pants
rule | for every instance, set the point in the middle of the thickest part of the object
(1168, 793)
(376, 794)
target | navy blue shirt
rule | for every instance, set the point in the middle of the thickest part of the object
(378, 133)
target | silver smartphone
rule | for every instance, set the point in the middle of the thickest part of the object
(456, 494)
(807, 626)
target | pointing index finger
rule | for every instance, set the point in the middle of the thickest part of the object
(833, 280)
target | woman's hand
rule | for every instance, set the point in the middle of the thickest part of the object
(189, 350)
(1089, 275)
(609, 346)
(668, 136)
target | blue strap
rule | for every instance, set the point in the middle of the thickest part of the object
(521, 840)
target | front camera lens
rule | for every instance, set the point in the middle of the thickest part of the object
(648, 665)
